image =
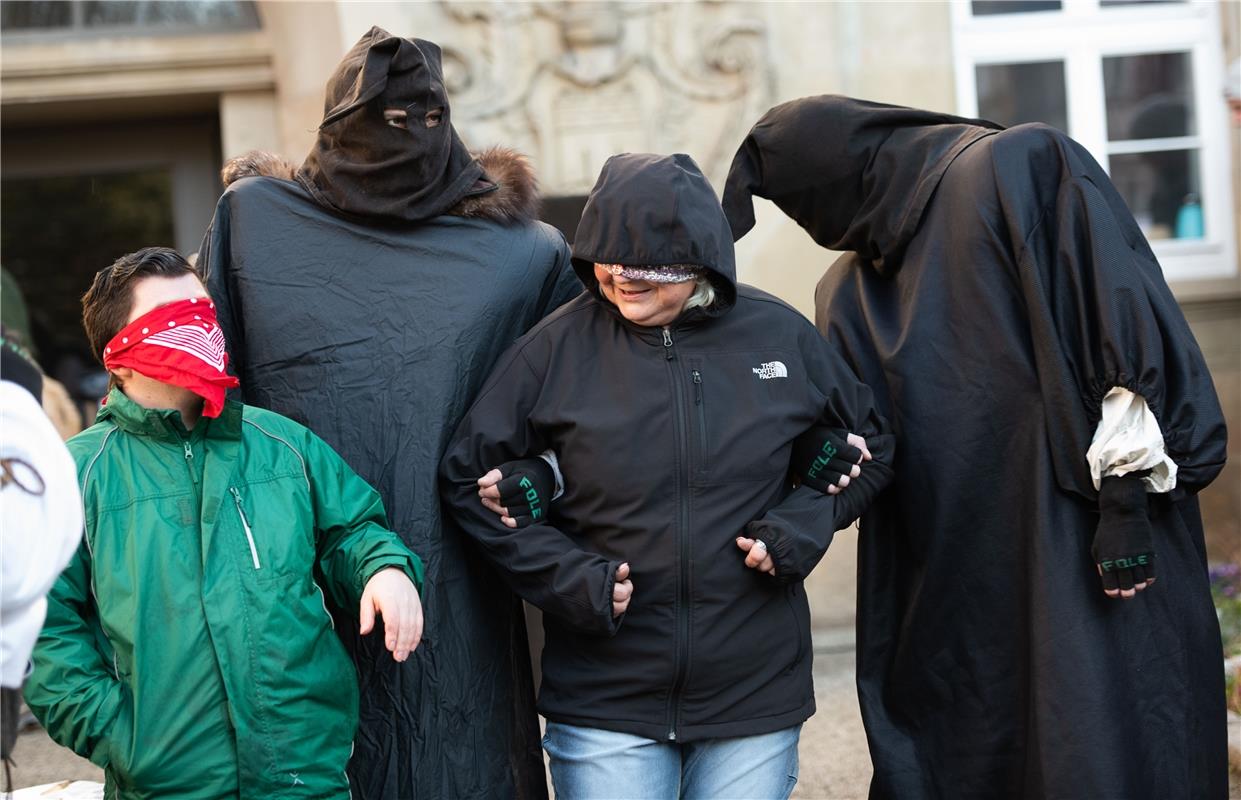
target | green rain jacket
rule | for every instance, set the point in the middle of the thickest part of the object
(188, 649)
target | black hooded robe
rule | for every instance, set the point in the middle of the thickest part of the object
(996, 290)
(376, 332)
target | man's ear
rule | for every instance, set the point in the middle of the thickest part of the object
(122, 374)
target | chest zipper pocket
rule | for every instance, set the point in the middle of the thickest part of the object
(700, 406)
(245, 524)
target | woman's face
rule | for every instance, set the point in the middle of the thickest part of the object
(643, 302)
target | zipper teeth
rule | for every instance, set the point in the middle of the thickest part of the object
(683, 593)
(245, 523)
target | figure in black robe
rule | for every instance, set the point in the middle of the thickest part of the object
(367, 296)
(994, 290)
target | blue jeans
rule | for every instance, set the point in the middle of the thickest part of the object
(593, 764)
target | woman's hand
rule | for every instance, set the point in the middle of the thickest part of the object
(826, 460)
(518, 492)
(391, 593)
(622, 591)
(757, 556)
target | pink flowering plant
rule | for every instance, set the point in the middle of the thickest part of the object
(1226, 591)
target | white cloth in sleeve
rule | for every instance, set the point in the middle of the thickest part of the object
(1128, 439)
(550, 457)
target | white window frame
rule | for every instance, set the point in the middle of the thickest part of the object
(1081, 35)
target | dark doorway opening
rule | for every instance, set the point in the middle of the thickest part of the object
(56, 233)
(564, 213)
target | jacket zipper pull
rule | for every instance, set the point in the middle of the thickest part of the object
(245, 524)
(189, 460)
(697, 388)
(667, 344)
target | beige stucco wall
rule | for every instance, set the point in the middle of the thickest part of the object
(807, 48)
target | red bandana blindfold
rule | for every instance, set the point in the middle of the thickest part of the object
(181, 344)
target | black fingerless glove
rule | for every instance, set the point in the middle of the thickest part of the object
(526, 489)
(822, 455)
(1123, 548)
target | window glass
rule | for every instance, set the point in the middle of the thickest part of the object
(1163, 191)
(1011, 94)
(35, 15)
(152, 15)
(1149, 96)
(1106, 3)
(987, 7)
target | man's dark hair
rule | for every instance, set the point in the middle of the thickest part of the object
(110, 298)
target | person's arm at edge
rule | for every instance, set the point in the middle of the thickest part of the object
(539, 562)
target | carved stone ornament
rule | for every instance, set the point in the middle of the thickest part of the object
(573, 83)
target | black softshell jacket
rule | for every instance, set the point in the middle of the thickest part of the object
(378, 337)
(671, 441)
(996, 290)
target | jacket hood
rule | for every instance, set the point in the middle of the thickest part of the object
(650, 210)
(361, 164)
(856, 175)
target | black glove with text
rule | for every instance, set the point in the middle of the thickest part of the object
(526, 489)
(1124, 549)
(822, 455)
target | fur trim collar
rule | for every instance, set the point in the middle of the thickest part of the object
(516, 198)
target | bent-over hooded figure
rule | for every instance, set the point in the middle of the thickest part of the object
(678, 654)
(1034, 617)
(367, 297)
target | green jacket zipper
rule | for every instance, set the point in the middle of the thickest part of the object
(245, 524)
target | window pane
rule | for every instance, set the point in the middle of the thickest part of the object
(1163, 191)
(16, 15)
(1011, 94)
(1149, 96)
(984, 7)
(157, 13)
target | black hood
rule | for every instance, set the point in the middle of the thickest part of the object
(652, 210)
(856, 175)
(363, 166)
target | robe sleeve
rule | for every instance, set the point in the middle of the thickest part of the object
(1101, 314)
(1128, 440)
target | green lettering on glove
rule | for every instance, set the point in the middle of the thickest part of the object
(821, 461)
(1124, 563)
(532, 497)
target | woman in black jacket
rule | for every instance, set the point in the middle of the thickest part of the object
(670, 570)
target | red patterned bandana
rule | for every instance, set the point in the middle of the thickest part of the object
(179, 343)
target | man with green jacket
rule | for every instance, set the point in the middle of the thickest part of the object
(188, 648)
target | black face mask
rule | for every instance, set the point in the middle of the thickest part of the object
(398, 171)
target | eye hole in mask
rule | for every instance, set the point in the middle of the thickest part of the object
(395, 117)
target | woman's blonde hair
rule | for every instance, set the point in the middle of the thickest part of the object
(704, 293)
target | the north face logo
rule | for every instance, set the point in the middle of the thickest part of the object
(771, 369)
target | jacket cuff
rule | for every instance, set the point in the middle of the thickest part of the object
(613, 623)
(410, 564)
(779, 547)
